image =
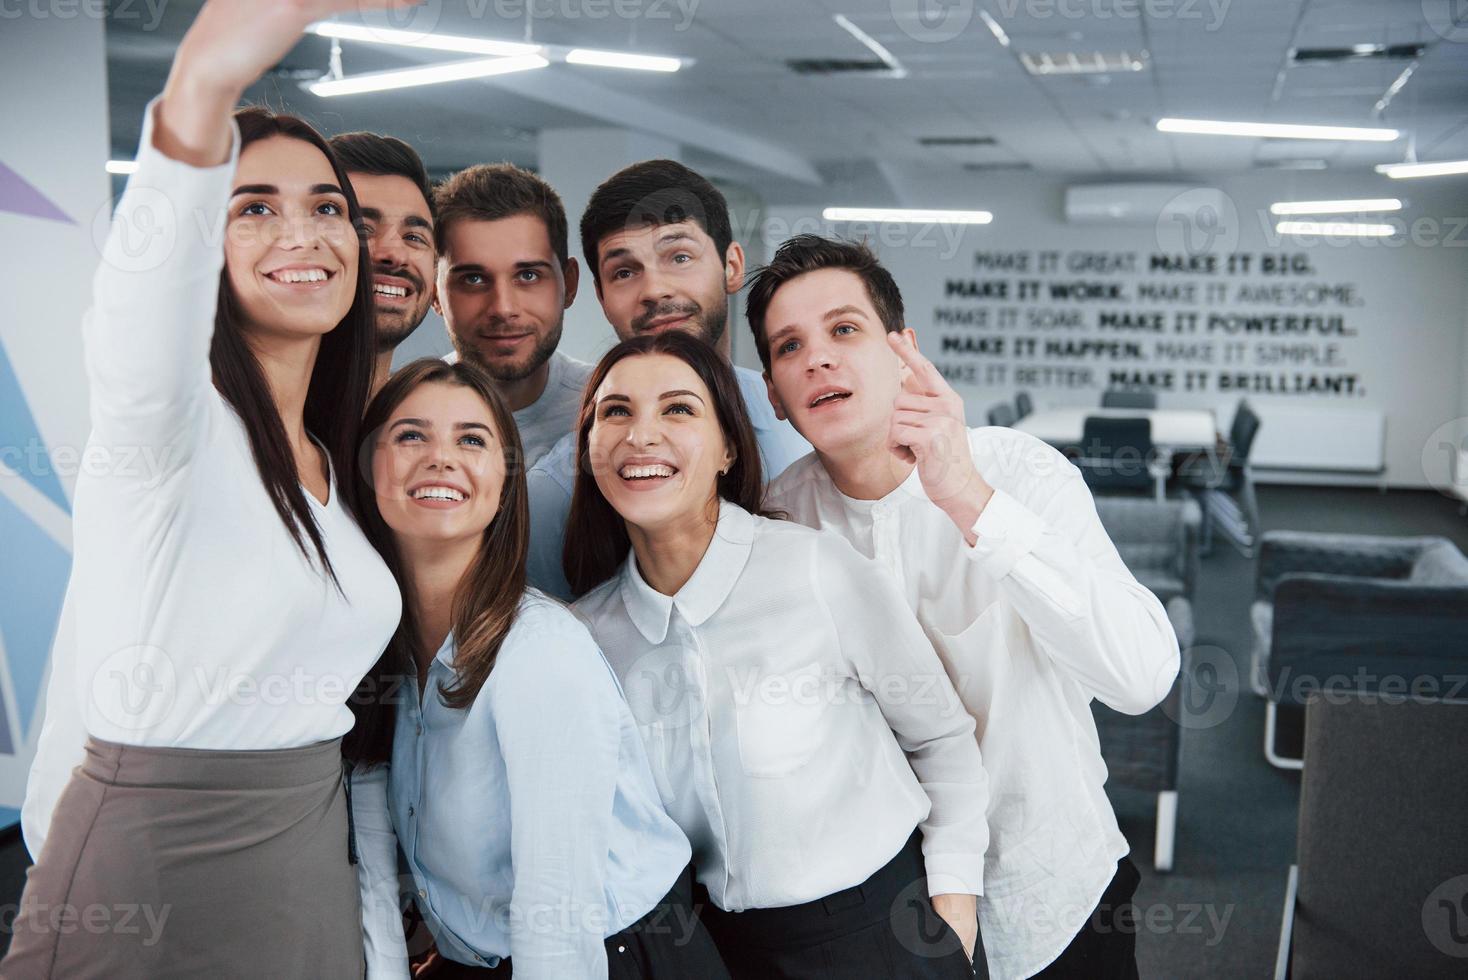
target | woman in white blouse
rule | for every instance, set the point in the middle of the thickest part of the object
(801, 729)
(228, 603)
(515, 779)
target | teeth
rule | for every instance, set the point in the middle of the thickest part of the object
(386, 290)
(300, 275)
(646, 472)
(437, 493)
(827, 397)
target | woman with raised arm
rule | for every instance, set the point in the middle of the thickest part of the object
(801, 729)
(228, 604)
(515, 778)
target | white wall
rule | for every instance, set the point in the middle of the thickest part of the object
(1404, 354)
(55, 127)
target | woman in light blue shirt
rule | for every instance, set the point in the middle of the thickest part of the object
(516, 781)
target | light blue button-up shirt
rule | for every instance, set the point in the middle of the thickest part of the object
(550, 481)
(530, 820)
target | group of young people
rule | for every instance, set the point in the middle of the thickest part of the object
(657, 668)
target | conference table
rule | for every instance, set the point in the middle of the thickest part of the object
(1173, 430)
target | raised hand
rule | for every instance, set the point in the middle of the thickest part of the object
(229, 46)
(928, 429)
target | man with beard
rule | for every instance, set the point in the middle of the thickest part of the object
(392, 189)
(505, 281)
(658, 241)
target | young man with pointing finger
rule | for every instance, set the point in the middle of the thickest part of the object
(995, 540)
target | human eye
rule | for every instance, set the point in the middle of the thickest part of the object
(529, 275)
(331, 209)
(611, 410)
(413, 236)
(622, 273)
(680, 408)
(844, 329)
(472, 279)
(788, 346)
(472, 440)
(255, 208)
(408, 435)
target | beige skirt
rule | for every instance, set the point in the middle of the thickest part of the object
(193, 863)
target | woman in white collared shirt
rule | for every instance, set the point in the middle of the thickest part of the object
(801, 729)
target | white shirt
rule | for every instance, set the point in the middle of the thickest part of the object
(545, 421)
(551, 481)
(1032, 622)
(194, 619)
(798, 723)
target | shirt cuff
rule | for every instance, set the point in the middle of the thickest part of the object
(954, 874)
(1005, 532)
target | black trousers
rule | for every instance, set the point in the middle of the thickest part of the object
(884, 928)
(1106, 947)
(668, 943)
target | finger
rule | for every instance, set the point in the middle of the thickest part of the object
(910, 436)
(921, 421)
(911, 402)
(923, 370)
(903, 453)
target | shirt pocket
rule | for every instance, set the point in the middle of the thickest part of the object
(780, 720)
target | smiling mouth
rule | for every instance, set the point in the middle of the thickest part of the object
(828, 397)
(439, 493)
(293, 277)
(389, 292)
(647, 471)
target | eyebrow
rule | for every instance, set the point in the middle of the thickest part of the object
(424, 424)
(411, 220)
(270, 189)
(669, 238)
(675, 393)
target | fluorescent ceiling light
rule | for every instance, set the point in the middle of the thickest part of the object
(1336, 207)
(616, 59)
(1442, 168)
(1091, 63)
(416, 39)
(908, 216)
(453, 71)
(1212, 127)
(872, 45)
(122, 166)
(1351, 228)
(994, 28)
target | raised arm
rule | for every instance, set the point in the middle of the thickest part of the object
(148, 332)
(558, 725)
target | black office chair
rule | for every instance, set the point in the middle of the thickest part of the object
(1129, 398)
(1116, 455)
(1227, 472)
(1002, 414)
(1023, 405)
(1380, 888)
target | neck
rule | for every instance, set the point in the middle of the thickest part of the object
(867, 473)
(287, 365)
(668, 556)
(527, 391)
(381, 371)
(433, 570)
(725, 346)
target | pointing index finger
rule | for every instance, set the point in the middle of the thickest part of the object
(923, 370)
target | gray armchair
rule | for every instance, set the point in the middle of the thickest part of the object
(1355, 612)
(1158, 543)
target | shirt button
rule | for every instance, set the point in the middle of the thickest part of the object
(410, 811)
(420, 729)
(422, 893)
(621, 949)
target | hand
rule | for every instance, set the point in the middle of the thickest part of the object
(428, 965)
(928, 429)
(229, 46)
(961, 912)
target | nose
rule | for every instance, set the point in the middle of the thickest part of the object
(502, 305)
(388, 251)
(819, 356)
(644, 431)
(655, 287)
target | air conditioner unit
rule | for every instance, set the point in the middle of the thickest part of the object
(1139, 203)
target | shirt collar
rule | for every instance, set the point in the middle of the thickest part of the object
(911, 487)
(446, 652)
(703, 594)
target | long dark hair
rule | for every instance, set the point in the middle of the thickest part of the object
(341, 379)
(596, 541)
(488, 596)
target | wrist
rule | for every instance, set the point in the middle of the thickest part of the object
(965, 506)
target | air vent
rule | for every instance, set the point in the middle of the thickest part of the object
(956, 140)
(987, 168)
(1356, 52)
(837, 66)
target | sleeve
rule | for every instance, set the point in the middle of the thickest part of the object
(1044, 544)
(146, 337)
(896, 663)
(549, 485)
(559, 730)
(377, 875)
(61, 746)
